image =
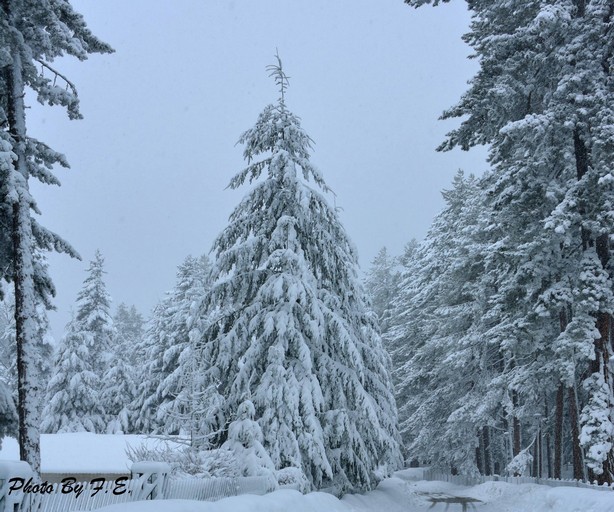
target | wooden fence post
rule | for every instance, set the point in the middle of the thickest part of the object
(153, 477)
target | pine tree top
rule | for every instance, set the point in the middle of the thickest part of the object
(281, 79)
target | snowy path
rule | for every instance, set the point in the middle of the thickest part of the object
(402, 493)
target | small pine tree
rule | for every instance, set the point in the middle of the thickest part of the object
(245, 440)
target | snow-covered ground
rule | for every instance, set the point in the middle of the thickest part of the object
(405, 492)
(402, 493)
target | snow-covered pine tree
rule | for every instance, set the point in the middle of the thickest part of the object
(442, 373)
(118, 392)
(164, 403)
(381, 284)
(182, 393)
(94, 315)
(149, 376)
(120, 378)
(245, 441)
(543, 99)
(73, 393)
(129, 329)
(8, 378)
(33, 34)
(289, 326)
(8, 346)
(8, 413)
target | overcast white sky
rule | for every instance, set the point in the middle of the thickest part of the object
(151, 159)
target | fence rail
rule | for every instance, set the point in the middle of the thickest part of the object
(92, 496)
(212, 489)
(432, 474)
(149, 481)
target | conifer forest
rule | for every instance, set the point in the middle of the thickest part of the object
(485, 346)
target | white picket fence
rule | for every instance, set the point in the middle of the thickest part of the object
(92, 497)
(149, 481)
(211, 489)
(432, 474)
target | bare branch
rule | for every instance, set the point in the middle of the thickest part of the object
(57, 74)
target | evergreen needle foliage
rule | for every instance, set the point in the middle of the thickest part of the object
(288, 328)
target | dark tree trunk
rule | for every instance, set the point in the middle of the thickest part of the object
(540, 455)
(578, 464)
(558, 414)
(547, 438)
(23, 279)
(487, 457)
(479, 460)
(506, 446)
(516, 427)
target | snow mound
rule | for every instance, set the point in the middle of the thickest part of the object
(492, 491)
(278, 501)
(398, 495)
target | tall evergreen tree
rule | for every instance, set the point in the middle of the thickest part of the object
(74, 393)
(182, 393)
(381, 285)
(288, 324)
(440, 376)
(164, 400)
(121, 377)
(33, 34)
(93, 314)
(543, 100)
(129, 329)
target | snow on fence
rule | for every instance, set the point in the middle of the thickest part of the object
(211, 489)
(92, 497)
(432, 474)
(18, 493)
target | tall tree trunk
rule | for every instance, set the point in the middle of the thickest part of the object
(578, 463)
(516, 426)
(603, 319)
(558, 432)
(540, 456)
(505, 449)
(479, 459)
(535, 465)
(549, 454)
(487, 456)
(23, 274)
(558, 414)
(548, 441)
